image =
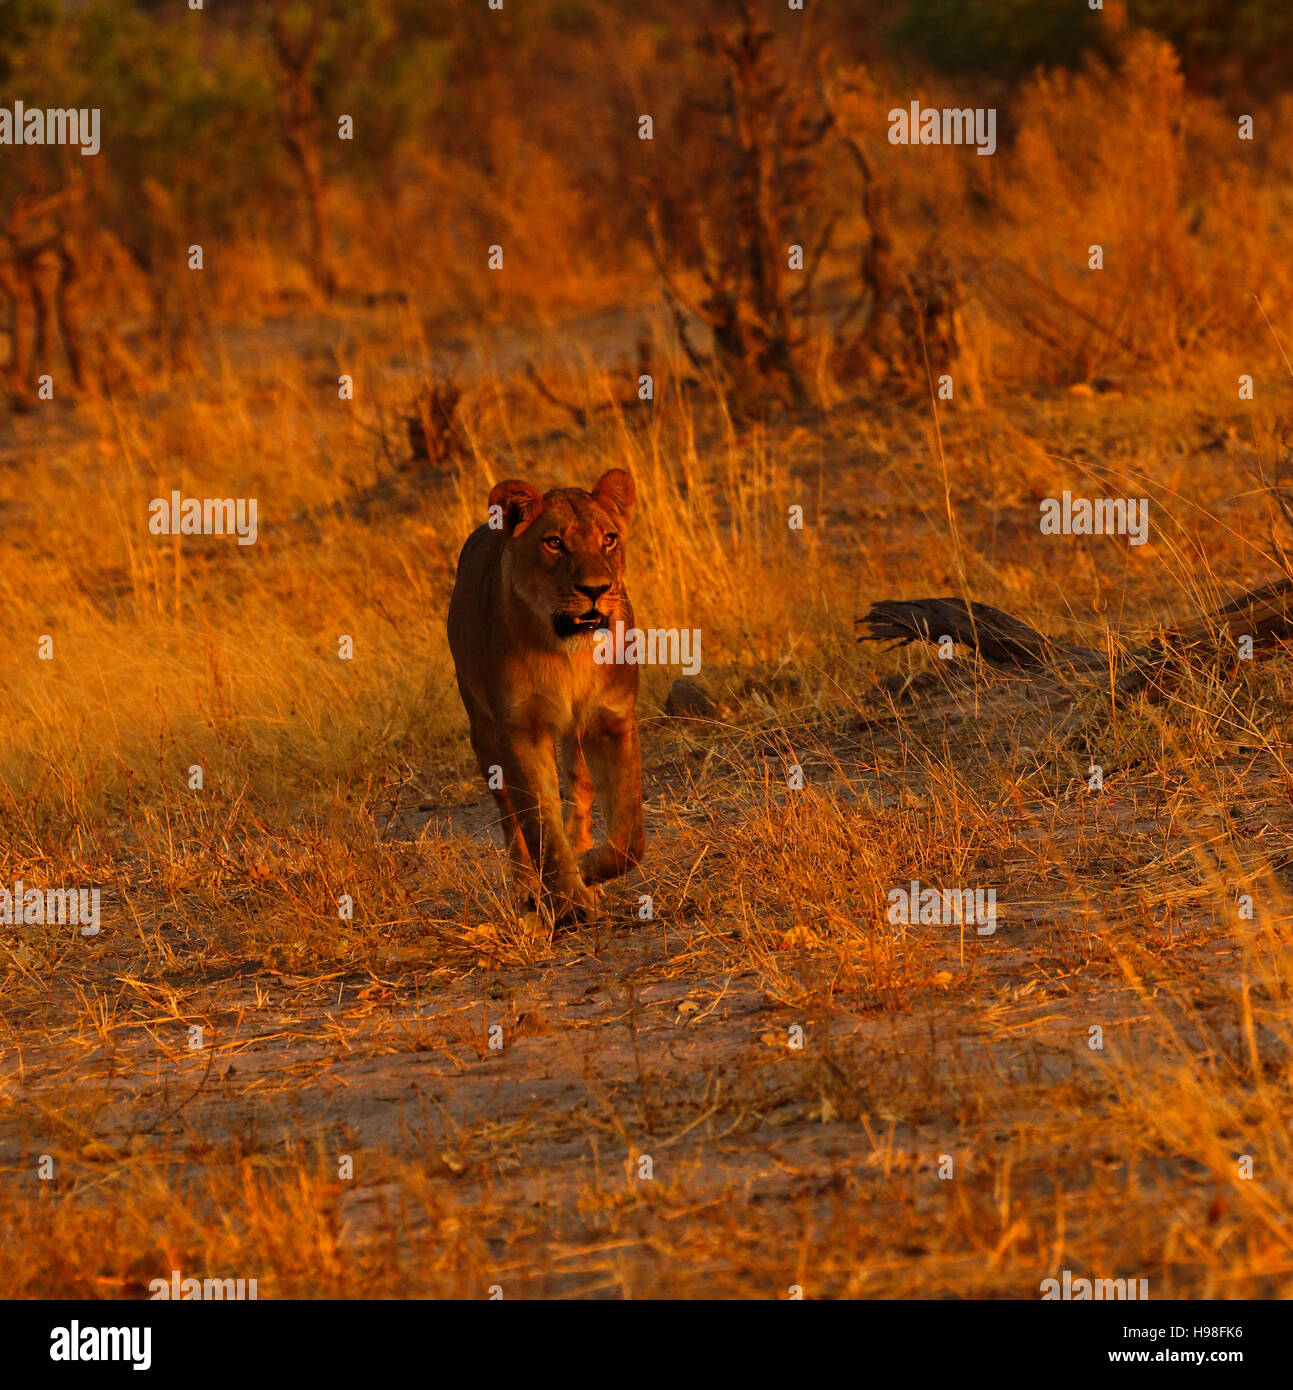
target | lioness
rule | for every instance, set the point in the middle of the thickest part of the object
(532, 590)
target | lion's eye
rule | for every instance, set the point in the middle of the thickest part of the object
(610, 540)
(552, 544)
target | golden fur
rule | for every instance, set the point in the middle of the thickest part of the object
(532, 587)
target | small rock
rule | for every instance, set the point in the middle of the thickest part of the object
(689, 699)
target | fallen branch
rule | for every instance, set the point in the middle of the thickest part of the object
(1001, 639)
(1009, 643)
(1256, 613)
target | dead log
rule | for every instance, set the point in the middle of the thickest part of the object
(1256, 613)
(1000, 638)
(1007, 642)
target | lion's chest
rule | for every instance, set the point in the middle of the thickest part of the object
(563, 691)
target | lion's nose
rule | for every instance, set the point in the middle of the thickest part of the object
(592, 591)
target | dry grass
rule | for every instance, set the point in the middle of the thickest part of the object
(772, 1166)
(947, 1128)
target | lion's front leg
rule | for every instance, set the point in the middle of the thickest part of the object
(579, 823)
(615, 762)
(530, 773)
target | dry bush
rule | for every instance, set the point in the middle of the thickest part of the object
(1127, 159)
(751, 194)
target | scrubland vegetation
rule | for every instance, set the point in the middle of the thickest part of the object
(945, 359)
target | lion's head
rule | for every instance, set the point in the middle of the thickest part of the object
(565, 550)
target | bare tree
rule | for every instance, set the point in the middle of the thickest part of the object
(39, 270)
(769, 129)
(863, 330)
(301, 126)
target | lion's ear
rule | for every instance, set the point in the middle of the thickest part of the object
(513, 505)
(615, 491)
